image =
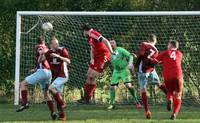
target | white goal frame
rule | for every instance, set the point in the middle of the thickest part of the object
(78, 13)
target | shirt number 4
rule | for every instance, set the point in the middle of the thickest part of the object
(173, 55)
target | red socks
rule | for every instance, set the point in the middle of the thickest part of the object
(176, 102)
(177, 105)
(92, 89)
(89, 90)
(145, 101)
(58, 99)
(163, 88)
(86, 89)
(24, 95)
(62, 115)
(50, 105)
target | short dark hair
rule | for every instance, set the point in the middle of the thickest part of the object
(86, 26)
(40, 40)
(152, 37)
(175, 44)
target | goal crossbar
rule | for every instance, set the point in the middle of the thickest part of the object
(104, 13)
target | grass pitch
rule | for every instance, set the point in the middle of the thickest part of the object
(98, 114)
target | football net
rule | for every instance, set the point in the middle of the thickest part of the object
(128, 29)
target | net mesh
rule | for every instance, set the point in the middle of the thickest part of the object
(128, 31)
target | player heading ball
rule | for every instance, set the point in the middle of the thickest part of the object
(41, 75)
(100, 54)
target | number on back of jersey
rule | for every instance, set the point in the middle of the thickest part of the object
(152, 52)
(173, 55)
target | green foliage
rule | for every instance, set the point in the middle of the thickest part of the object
(6, 88)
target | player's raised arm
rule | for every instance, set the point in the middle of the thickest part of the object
(158, 59)
(128, 54)
(41, 57)
(89, 32)
(65, 59)
(107, 43)
(100, 38)
(134, 55)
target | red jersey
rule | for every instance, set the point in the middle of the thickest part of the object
(171, 61)
(99, 48)
(58, 66)
(147, 51)
(44, 64)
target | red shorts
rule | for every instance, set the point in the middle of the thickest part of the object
(100, 63)
(174, 84)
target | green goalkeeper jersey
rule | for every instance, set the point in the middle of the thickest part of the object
(121, 59)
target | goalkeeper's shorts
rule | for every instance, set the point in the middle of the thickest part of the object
(41, 76)
(122, 75)
(58, 83)
(148, 78)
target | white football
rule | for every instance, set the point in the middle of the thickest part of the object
(47, 26)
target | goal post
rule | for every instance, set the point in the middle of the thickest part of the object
(17, 59)
(129, 28)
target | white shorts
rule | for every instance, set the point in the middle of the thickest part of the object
(41, 76)
(58, 84)
(148, 78)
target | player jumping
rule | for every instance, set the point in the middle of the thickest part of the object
(146, 70)
(42, 75)
(173, 75)
(58, 59)
(122, 63)
(100, 55)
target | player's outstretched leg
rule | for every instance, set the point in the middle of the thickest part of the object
(134, 95)
(24, 95)
(163, 88)
(112, 97)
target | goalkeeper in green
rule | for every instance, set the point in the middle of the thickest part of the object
(122, 62)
